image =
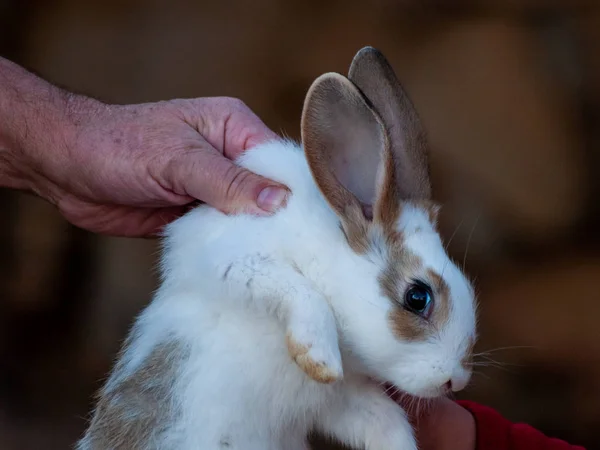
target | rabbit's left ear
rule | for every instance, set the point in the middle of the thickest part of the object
(345, 143)
(376, 79)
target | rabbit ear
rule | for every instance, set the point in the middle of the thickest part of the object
(345, 143)
(374, 76)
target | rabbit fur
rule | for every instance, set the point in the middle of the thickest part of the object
(264, 329)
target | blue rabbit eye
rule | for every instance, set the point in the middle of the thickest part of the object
(418, 299)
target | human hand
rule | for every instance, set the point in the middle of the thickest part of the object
(440, 424)
(129, 170)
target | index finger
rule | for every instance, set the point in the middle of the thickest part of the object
(232, 127)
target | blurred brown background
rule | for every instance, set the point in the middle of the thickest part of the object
(508, 90)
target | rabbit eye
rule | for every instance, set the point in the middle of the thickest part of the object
(418, 299)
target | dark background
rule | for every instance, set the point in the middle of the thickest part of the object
(508, 90)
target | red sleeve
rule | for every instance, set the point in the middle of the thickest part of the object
(494, 432)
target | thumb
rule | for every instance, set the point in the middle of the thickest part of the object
(224, 185)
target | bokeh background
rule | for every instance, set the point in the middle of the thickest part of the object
(508, 90)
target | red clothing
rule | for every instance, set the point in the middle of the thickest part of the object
(494, 432)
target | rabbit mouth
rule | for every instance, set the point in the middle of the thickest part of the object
(388, 388)
(405, 399)
(413, 405)
(410, 402)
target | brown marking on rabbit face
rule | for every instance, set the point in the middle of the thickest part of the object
(134, 412)
(441, 307)
(431, 208)
(403, 265)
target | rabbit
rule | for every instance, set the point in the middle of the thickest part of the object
(266, 329)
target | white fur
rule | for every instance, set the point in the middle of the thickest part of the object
(233, 286)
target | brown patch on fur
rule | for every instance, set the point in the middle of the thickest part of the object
(388, 207)
(136, 411)
(431, 208)
(315, 370)
(401, 266)
(441, 291)
(406, 325)
(356, 230)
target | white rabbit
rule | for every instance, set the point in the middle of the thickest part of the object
(266, 328)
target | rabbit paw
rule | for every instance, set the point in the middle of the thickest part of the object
(313, 344)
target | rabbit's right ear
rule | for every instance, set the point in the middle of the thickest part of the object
(345, 144)
(371, 72)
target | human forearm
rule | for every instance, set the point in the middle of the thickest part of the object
(36, 126)
(128, 169)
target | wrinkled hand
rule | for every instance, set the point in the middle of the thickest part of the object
(129, 170)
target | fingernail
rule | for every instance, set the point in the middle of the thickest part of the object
(271, 198)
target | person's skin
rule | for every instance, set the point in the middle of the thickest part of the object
(129, 170)
(443, 425)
